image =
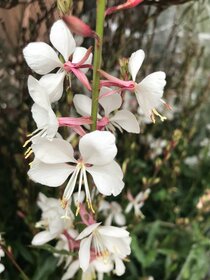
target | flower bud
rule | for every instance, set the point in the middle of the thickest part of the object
(127, 5)
(64, 6)
(78, 27)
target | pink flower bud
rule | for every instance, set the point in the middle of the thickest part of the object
(77, 26)
(127, 5)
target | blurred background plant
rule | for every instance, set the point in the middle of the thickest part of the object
(171, 240)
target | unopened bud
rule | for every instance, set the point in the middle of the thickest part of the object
(124, 68)
(64, 6)
(78, 27)
(177, 135)
(127, 5)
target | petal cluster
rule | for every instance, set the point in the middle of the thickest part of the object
(148, 92)
(43, 59)
(108, 242)
(97, 152)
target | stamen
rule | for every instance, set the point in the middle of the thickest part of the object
(26, 143)
(78, 209)
(28, 150)
(28, 155)
(71, 184)
(64, 203)
(79, 192)
(156, 113)
(100, 247)
(90, 206)
(87, 191)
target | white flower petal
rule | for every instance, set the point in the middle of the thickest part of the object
(52, 125)
(41, 58)
(2, 268)
(98, 147)
(53, 83)
(101, 265)
(71, 271)
(40, 115)
(52, 175)
(113, 231)
(42, 201)
(135, 62)
(107, 178)
(42, 238)
(119, 219)
(119, 246)
(82, 105)
(87, 231)
(109, 103)
(54, 151)
(127, 121)
(45, 120)
(78, 54)
(150, 91)
(38, 93)
(129, 207)
(2, 254)
(84, 253)
(119, 266)
(62, 39)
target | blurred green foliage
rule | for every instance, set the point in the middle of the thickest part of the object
(172, 242)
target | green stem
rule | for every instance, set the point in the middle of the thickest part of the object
(10, 256)
(100, 10)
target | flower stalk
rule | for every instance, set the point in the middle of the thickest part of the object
(97, 60)
(10, 256)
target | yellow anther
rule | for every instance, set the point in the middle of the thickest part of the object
(28, 155)
(63, 203)
(90, 206)
(152, 117)
(65, 217)
(78, 209)
(26, 143)
(28, 150)
(156, 113)
(30, 134)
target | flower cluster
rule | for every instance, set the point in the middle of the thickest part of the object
(101, 248)
(89, 168)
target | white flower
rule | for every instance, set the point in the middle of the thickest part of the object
(42, 58)
(45, 118)
(105, 241)
(191, 161)
(52, 220)
(2, 267)
(122, 119)
(150, 90)
(137, 203)
(95, 270)
(113, 212)
(97, 152)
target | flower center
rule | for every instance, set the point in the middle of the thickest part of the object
(80, 170)
(100, 248)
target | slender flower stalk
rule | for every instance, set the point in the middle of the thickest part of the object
(10, 256)
(97, 59)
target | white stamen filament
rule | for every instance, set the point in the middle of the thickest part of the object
(99, 246)
(71, 184)
(87, 191)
